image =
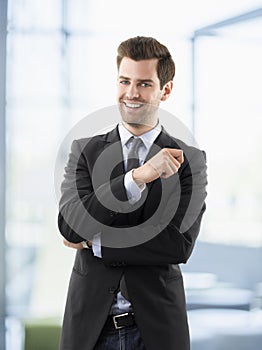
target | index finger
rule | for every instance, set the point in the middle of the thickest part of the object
(177, 153)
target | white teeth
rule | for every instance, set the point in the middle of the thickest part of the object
(133, 105)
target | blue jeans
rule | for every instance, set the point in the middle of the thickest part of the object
(127, 338)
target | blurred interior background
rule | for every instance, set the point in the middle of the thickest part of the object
(57, 65)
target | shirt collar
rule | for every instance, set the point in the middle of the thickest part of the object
(148, 138)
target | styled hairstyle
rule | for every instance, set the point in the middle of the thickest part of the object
(144, 48)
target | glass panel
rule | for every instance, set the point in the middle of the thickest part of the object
(229, 126)
(34, 69)
(35, 15)
(80, 14)
(33, 138)
(37, 117)
(93, 73)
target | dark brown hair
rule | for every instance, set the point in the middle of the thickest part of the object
(145, 48)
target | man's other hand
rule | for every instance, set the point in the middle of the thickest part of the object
(75, 245)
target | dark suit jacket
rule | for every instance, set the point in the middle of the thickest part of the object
(146, 241)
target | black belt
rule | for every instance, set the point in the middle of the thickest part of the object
(122, 320)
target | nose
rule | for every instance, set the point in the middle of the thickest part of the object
(132, 92)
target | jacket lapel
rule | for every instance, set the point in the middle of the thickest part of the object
(111, 138)
(163, 140)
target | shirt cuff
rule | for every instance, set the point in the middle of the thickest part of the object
(133, 191)
(96, 245)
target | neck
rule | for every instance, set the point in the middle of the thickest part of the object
(138, 129)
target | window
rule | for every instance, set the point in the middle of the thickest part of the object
(228, 76)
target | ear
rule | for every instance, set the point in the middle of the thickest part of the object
(166, 91)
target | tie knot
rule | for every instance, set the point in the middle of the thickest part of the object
(136, 143)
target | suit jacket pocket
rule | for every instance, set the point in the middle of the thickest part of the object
(81, 262)
(173, 278)
(174, 273)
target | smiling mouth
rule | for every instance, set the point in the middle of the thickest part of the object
(133, 105)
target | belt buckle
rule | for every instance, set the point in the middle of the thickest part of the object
(116, 317)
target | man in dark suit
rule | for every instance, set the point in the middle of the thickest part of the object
(132, 202)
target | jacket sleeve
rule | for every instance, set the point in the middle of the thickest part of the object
(89, 206)
(83, 209)
(178, 225)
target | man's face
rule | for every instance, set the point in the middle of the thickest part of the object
(138, 91)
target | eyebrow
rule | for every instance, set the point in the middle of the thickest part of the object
(140, 80)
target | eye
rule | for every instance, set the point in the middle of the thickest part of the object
(145, 85)
(124, 82)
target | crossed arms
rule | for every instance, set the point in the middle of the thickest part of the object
(86, 209)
